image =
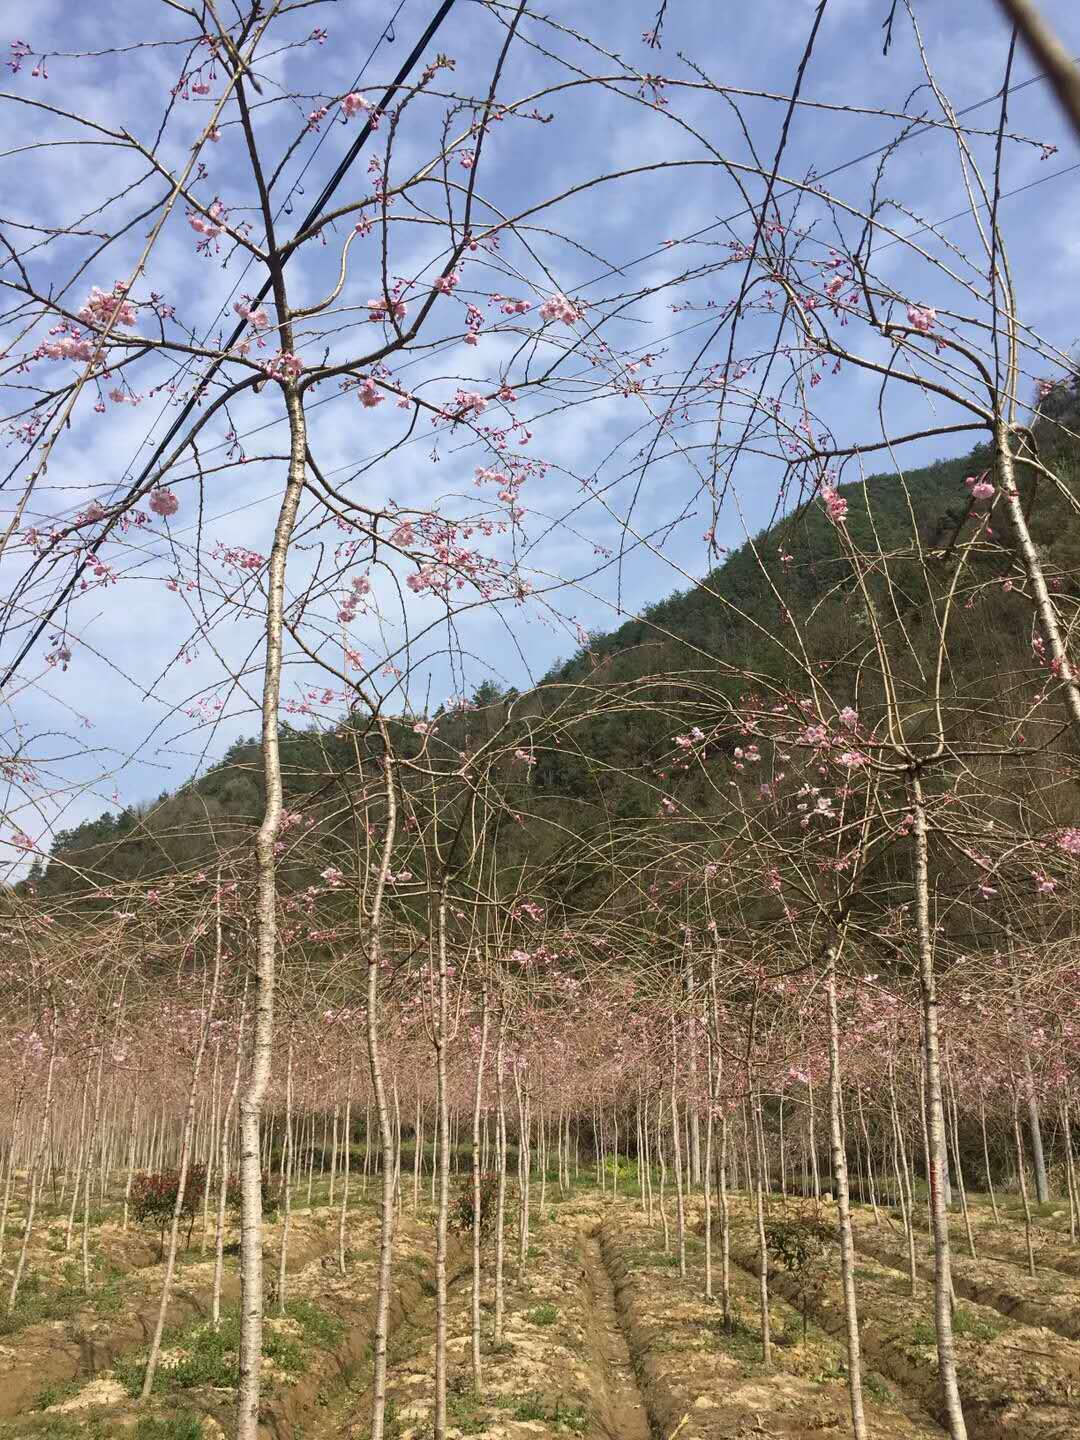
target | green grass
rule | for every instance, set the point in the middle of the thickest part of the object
(317, 1326)
(210, 1357)
(545, 1314)
(36, 1305)
(561, 1416)
(966, 1325)
(643, 1258)
(465, 1412)
(975, 1327)
(740, 1340)
(61, 1427)
(877, 1389)
(185, 1426)
(54, 1394)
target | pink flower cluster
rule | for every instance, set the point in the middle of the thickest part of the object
(359, 586)
(470, 401)
(209, 227)
(378, 309)
(560, 308)
(103, 309)
(980, 489)
(353, 104)
(163, 502)
(509, 306)
(835, 504)
(370, 394)
(922, 318)
(284, 365)
(256, 316)
(70, 346)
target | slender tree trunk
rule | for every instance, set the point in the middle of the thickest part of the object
(382, 1112)
(935, 1121)
(725, 1224)
(477, 1216)
(500, 1213)
(663, 1168)
(80, 1156)
(954, 1131)
(90, 1143)
(680, 1207)
(223, 1178)
(346, 1165)
(185, 1157)
(266, 932)
(763, 1253)
(869, 1156)
(9, 1177)
(286, 1174)
(441, 1036)
(1021, 1180)
(843, 1209)
(1070, 1163)
(986, 1156)
(37, 1162)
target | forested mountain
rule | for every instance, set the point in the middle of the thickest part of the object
(615, 705)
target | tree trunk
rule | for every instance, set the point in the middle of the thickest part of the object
(935, 1122)
(843, 1210)
(477, 1217)
(382, 1112)
(266, 941)
(185, 1157)
(223, 1178)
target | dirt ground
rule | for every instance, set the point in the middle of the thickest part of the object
(603, 1339)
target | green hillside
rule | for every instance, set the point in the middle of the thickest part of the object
(620, 698)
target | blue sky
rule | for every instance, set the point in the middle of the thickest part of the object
(114, 726)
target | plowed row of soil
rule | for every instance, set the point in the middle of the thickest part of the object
(563, 1367)
(93, 1334)
(1050, 1299)
(1017, 1382)
(707, 1383)
(1004, 1240)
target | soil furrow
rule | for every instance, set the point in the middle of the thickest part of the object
(621, 1405)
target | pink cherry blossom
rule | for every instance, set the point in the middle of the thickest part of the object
(379, 311)
(354, 104)
(835, 504)
(560, 308)
(163, 502)
(102, 310)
